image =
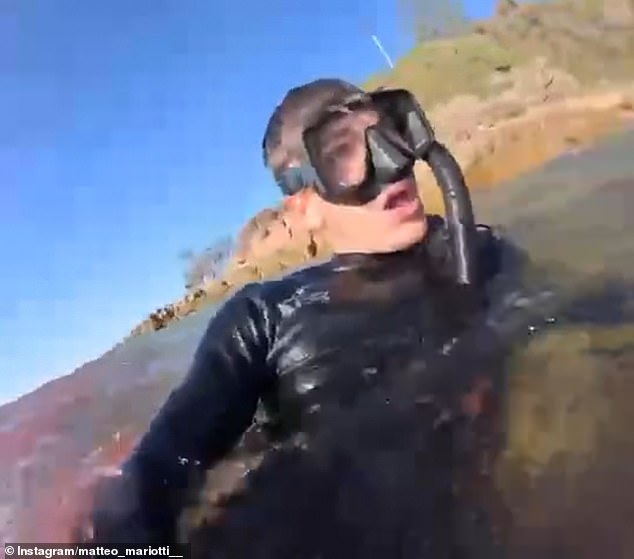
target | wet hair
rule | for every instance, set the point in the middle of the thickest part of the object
(282, 142)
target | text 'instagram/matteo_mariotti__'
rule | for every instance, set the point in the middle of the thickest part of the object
(49, 551)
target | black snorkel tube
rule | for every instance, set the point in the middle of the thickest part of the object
(459, 214)
(458, 211)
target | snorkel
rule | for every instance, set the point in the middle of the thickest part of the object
(458, 211)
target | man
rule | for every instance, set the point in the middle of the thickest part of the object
(348, 362)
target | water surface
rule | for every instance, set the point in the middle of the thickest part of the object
(566, 472)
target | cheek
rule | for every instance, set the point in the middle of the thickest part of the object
(340, 220)
(362, 222)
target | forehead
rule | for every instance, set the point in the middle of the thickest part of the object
(358, 119)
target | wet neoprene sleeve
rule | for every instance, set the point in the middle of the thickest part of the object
(199, 423)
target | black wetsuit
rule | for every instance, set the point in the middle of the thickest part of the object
(345, 367)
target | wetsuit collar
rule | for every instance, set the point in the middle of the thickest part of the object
(363, 259)
(418, 253)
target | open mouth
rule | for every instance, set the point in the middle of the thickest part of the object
(397, 197)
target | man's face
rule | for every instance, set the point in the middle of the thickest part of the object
(393, 221)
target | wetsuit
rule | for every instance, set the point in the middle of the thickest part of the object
(344, 367)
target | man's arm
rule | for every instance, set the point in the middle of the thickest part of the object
(199, 423)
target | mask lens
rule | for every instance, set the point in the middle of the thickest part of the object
(360, 147)
(293, 179)
(338, 151)
(401, 110)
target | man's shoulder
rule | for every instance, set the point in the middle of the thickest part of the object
(273, 291)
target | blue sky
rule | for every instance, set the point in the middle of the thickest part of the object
(129, 131)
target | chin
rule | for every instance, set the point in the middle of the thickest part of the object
(409, 234)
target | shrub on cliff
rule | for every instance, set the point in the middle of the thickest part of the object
(207, 265)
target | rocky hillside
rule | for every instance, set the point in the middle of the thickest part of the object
(514, 92)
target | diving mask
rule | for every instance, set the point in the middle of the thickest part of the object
(358, 147)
